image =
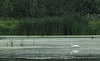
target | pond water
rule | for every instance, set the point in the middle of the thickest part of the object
(49, 47)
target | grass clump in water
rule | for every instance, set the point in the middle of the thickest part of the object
(11, 43)
(33, 43)
(22, 43)
(7, 44)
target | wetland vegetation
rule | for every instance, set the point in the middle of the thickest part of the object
(76, 25)
(49, 17)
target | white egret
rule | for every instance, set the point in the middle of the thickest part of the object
(75, 46)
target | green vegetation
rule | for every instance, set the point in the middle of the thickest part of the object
(7, 44)
(7, 27)
(22, 43)
(94, 27)
(11, 43)
(72, 24)
(49, 17)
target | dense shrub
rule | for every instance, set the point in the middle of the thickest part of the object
(7, 27)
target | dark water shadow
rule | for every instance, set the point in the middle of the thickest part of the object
(22, 59)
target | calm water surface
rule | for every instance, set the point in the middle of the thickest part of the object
(47, 47)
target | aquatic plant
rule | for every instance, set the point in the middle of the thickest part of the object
(92, 37)
(11, 42)
(22, 43)
(7, 44)
(33, 43)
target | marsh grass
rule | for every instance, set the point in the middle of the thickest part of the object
(11, 43)
(22, 43)
(92, 37)
(71, 24)
(7, 44)
(33, 43)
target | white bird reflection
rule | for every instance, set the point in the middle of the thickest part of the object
(74, 51)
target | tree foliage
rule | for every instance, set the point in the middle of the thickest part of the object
(42, 8)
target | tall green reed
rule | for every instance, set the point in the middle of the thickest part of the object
(22, 43)
(11, 43)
